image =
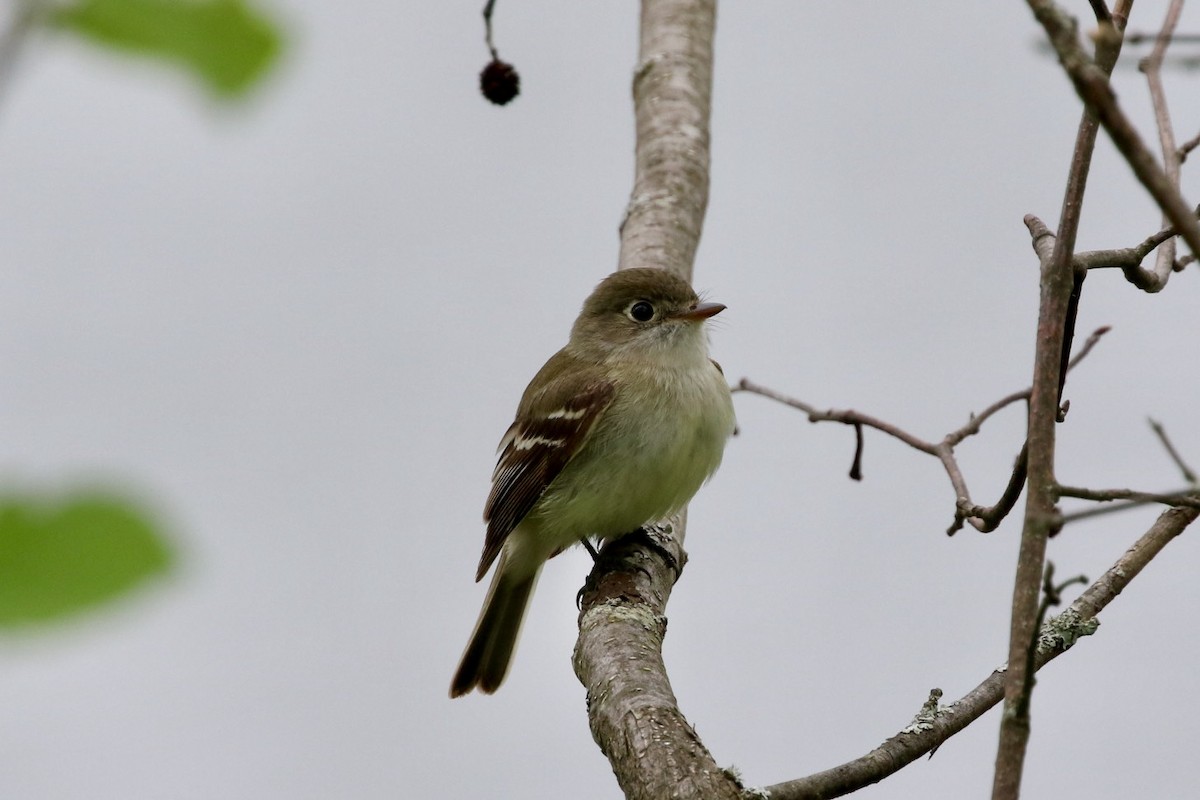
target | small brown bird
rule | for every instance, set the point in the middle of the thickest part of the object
(619, 428)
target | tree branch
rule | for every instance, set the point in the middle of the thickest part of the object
(618, 655)
(1090, 79)
(672, 94)
(1060, 290)
(1127, 259)
(1189, 474)
(983, 518)
(929, 730)
(1188, 146)
(1187, 498)
(632, 711)
(1151, 65)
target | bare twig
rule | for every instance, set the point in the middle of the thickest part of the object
(1188, 474)
(974, 425)
(983, 518)
(1128, 259)
(1151, 65)
(632, 712)
(1188, 147)
(846, 417)
(1188, 499)
(1091, 83)
(856, 465)
(1051, 596)
(1100, 9)
(986, 519)
(1141, 37)
(1061, 285)
(488, 8)
(1088, 344)
(1116, 506)
(1057, 636)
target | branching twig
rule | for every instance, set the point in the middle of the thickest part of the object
(1056, 637)
(846, 417)
(1051, 596)
(986, 519)
(1091, 83)
(1127, 259)
(1151, 65)
(983, 518)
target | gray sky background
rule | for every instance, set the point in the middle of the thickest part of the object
(298, 329)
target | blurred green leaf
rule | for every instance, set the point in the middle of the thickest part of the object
(223, 42)
(61, 557)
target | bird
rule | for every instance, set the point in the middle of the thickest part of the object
(619, 428)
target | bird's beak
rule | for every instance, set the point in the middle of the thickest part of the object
(700, 311)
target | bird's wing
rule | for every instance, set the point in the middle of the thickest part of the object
(552, 425)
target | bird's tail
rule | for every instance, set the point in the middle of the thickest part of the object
(485, 661)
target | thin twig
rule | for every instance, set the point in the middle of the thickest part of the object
(983, 518)
(1187, 499)
(1128, 259)
(1060, 290)
(1139, 37)
(1151, 65)
(976, 422)
(1051, 596)
(487, 26)
(1057, 636)
(1188, 146)
(846, 417)
(986, 519)
(1091, 83)
(1124, 505)
(1189, 475)
(1100, 9)
(1115, 506)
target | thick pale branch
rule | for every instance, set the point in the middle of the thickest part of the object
(672, 94)
(634, 717)
(631, 709)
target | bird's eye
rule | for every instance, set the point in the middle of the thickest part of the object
(641, 311)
